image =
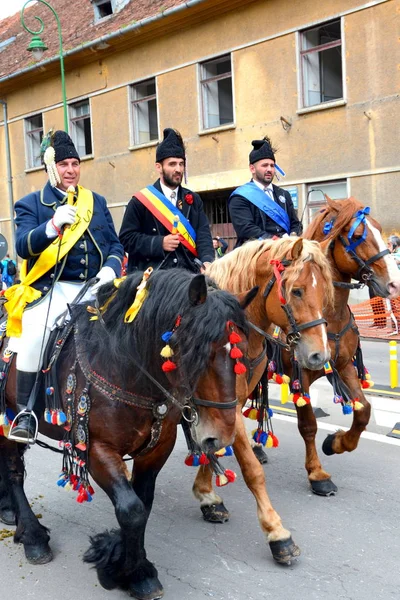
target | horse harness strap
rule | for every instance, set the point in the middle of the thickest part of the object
(211, 404)
(336, 337)
(364, 272)
(294, 335)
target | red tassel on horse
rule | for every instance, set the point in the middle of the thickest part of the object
(239, 368)
(168, 366)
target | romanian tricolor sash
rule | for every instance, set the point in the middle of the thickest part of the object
(256, 196)
(165, 212)
(20, 295)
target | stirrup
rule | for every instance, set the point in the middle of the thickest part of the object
(27, 440)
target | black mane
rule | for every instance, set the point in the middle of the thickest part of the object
(114, 345)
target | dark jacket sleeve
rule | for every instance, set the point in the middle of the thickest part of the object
(204, 243)
(224, 245)
(135, 242)
(31, 238)
(116, 251)
(295, 225)
(243, 219)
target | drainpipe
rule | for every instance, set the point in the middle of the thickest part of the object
(13, 252)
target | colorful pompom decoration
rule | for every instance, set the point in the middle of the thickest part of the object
(226, 477)
(251, 413)
(167, 352)
(301, 399)
(347, 409)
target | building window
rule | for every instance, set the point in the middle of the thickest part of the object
(321, 63)
(81, 127)
(144, 112)
(216, 92)
(34, 136)
(102, 8)
(336, 190)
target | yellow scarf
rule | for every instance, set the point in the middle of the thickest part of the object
(20, 295)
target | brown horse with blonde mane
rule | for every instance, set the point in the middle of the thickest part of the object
(356, 251)
(295, 282)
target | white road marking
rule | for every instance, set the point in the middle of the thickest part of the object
(366, 435)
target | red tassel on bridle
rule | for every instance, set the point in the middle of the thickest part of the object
(236, 354)
(278, 269)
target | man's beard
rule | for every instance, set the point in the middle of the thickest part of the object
(169, 181)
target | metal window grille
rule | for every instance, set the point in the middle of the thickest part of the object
(34, 136)
(216, 92)
(321, 64)
(81, 127)
(216, 209)
(144, 112)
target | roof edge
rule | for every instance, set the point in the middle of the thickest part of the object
(121, 32)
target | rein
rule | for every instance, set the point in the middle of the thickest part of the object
(294, 335)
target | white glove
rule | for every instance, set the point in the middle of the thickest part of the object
(105, 275)
(64, 215)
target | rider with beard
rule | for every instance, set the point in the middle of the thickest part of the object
(164, 224)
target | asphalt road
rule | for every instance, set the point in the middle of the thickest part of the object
(349, 544)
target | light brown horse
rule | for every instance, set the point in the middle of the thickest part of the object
(306, 287)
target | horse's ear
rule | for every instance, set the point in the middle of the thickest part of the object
(296, 250)
(198, 290)
(245, 298)
(325, 244)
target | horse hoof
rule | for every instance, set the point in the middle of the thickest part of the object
(260, 455)
(284, 551)
(327, 446)
(148, 589)
(38, 556)
(215, 513)
(7, 516)
(325, 487)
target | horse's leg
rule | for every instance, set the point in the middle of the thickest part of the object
(347, 441)
(211, 504)
(7, 511)
(119, 555)
(283, 549)
(29, 531)
(319, 479)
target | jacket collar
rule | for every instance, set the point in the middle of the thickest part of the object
(50, 196)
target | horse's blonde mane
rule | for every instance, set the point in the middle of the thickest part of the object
(237, 271)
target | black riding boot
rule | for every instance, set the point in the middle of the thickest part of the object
(25, 429)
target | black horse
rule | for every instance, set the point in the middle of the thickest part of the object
(136, 399)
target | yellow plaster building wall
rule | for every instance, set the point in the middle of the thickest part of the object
(348, 141)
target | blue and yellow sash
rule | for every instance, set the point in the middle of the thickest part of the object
(256, 196)
(165, 212)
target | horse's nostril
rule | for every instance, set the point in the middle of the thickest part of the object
(210, 445)
(316, 358)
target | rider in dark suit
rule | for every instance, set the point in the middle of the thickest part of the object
(249, 220)
(146, 240)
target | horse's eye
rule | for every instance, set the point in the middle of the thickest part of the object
(298, 293)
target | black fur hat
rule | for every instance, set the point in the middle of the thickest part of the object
(262, 149)
(172, 145)
(64, 146)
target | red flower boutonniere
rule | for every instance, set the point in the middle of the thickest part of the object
(189, 198)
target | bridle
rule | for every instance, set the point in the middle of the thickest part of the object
(364, 273)
(294, 335)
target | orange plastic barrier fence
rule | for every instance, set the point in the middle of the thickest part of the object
(378, 318)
